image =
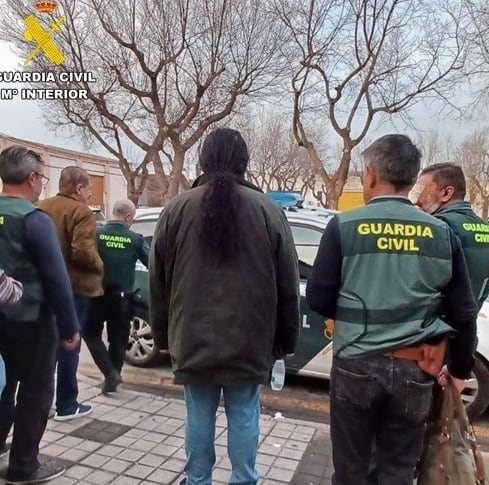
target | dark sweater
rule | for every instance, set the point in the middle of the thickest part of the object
(41, 242)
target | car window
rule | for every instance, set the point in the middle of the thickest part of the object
(306, 241)
(145, 228)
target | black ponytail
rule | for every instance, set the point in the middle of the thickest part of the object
(223, 159)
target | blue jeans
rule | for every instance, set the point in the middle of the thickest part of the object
(242, 406)
(3, 379)
(383, 399)
(66, 382)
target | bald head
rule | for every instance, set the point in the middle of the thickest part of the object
(124, 210)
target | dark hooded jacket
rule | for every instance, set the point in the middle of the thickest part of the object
(224, 321)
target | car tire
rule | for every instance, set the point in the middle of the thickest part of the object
(141, 349)
(476, 393)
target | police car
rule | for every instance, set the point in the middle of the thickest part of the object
(313, 355)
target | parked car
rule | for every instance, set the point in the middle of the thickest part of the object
(313, 355)
(147, 213)
(99, 216)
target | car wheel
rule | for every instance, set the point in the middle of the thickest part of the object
(475, 395)
(141, 349)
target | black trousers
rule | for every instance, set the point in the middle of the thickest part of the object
(115, 309)
(29, 351)
(382, 399)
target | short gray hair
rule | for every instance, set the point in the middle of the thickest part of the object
(396, 158)
(123, 207)
(16, 163)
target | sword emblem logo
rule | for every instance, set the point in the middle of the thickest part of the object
(43, 38)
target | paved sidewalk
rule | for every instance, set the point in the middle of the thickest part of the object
(133, 438)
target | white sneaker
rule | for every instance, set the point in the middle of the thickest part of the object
(80, 411)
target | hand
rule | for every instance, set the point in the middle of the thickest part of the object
(444, 378)
(71, 343)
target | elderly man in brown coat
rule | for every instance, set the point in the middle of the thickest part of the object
(75, 225)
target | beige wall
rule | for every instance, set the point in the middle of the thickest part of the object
(55, 158)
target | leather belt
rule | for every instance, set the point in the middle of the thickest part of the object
(408, 353)
(429, 357)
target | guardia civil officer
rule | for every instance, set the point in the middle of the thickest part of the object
(32, 329)
(386, 273)
(120, 249)
(443, 196)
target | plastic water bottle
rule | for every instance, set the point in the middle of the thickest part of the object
(278, 375)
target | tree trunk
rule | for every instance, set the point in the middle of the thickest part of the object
(332, 186)
(472, 193)
(133, 195)
(332, 203)
(176, 173)
(341, 176)
(485, 208)
(135, 184)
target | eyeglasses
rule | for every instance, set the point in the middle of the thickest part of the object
(44, 179)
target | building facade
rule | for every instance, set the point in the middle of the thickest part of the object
(108, 183)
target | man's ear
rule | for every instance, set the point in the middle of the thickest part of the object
(371, 177)
(31, 179)
(447, 194)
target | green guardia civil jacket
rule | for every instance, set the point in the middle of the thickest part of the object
(120, 249)
(16, 263)
(396, 261)
(473, 233)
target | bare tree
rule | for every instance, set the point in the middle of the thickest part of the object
(165, 72)
(355, 60)
(479, 38)
(434, 147)
(473, 156)
(276, 161)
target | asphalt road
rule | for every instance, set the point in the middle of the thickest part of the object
(301, 398)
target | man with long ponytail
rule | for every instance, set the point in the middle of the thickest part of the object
(224, 301)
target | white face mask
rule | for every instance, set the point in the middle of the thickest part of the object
(417, 192)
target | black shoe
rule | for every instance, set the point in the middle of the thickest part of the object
(111, 382)
(45, 472)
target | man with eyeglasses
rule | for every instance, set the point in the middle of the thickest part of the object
(32, 329)
(442, 195)
(43, 178)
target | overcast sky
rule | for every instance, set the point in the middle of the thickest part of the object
(23, 119)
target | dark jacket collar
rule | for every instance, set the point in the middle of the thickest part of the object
(201, 180)
(461, 206)
(390, 198)
(116, 222)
